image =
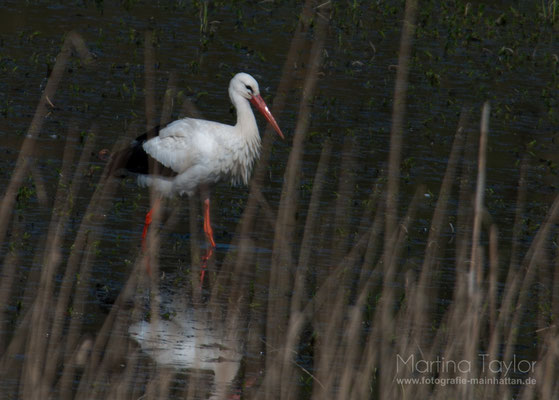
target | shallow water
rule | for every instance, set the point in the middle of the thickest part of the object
(459, 59)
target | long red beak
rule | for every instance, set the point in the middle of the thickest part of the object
(260, 104)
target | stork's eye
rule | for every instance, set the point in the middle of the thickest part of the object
(249, 89)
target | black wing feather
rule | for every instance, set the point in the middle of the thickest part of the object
(134, 159)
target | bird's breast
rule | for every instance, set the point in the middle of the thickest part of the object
(243, 156)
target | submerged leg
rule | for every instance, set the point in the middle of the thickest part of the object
(147, 223)
(207, 225)
(209, 235)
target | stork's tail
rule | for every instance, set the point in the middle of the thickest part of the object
(133, 159)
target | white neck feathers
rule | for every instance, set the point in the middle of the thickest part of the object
(249, 145)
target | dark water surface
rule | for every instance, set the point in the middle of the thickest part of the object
(463, 55)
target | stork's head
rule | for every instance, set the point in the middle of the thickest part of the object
(246, 86)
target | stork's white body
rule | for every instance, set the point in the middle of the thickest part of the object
(203, 152)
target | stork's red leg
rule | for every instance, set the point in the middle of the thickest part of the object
(207, 225)
(209, 235)
(147, 223)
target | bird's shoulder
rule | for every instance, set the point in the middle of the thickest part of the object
(193, 128)
(189, 141)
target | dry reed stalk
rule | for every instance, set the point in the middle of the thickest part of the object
(310, 229)
(441, 207)
(504, 303)
(374, 246)
(473, 312)
(434, 249)
(193, 212)
(40, 187)
(555, 297)
(520, 208)
(475, 273)
(464, 222)
(10, 366)
(354, 364)
(533, 256)
(344, 194)
(396, 130)
(491, 301)
(493, 276)
(169, 99)
(550, 345)
(72, 41)
(514, 275)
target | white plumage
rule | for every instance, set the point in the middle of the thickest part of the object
(204, 152)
